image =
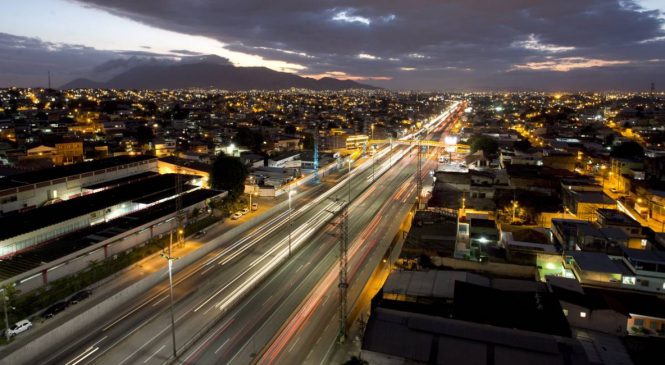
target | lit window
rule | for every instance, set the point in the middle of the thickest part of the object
(565, 312)
(583, 314)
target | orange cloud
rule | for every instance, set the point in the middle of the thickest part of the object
(344, 76)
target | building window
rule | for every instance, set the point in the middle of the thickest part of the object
(565, 312)
(583, 314)
(653, 325)
(639, 322)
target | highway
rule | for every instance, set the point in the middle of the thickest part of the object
(299, 301)
(213, 296)
(309, 335)
(209, 288)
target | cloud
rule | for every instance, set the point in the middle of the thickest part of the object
(344, 16)
(344, 76)
(533, 43)
(468, 44)
(568, 63)
(366, 56)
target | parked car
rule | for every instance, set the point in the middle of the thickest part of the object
(244, 211)
(199, 234)
(54, 309)
(18, 327)
(76, 298)
(255, 206)
(236, 215)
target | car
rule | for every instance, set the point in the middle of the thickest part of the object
(18, 327)
(255, 206)
(236, 215)
(244, 211)
(614, 190)
(78, 297)
(199, 234)
(54, 309)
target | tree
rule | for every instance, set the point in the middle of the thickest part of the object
(522, 145)
(308, 141)
(609, 139)
(144, 134)
(485, 143)
(228, 173)
(290, 129)
(355, 360)
(587, 129)
(248, 138)
(628, 150)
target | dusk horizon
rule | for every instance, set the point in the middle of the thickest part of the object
(591, 45)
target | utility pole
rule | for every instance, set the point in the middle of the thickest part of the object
(343, 283)
(168, 256)
(342, 227)
(419, 176)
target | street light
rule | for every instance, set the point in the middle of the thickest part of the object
(373, 157)
(390, 155)
(291, 192)
(372, 131)
(170, 260)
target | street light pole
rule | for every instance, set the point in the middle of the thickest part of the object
(390, 155)
(170, 260)
(373, 156)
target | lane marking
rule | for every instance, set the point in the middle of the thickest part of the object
(220, 347)
(156, 352)
(159, 301)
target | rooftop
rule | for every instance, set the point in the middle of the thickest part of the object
(70, 243)
(33, 177)
(435, 340)
(20, 223)
(597, 262)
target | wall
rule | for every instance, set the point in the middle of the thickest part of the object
(79, 260)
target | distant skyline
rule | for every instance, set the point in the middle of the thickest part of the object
(461, 45)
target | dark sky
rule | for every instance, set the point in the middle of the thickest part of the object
(407, 44)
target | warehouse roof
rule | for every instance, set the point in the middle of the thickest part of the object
(33, 177)
(24, 222)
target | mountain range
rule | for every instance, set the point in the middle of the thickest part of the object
(201, 72)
